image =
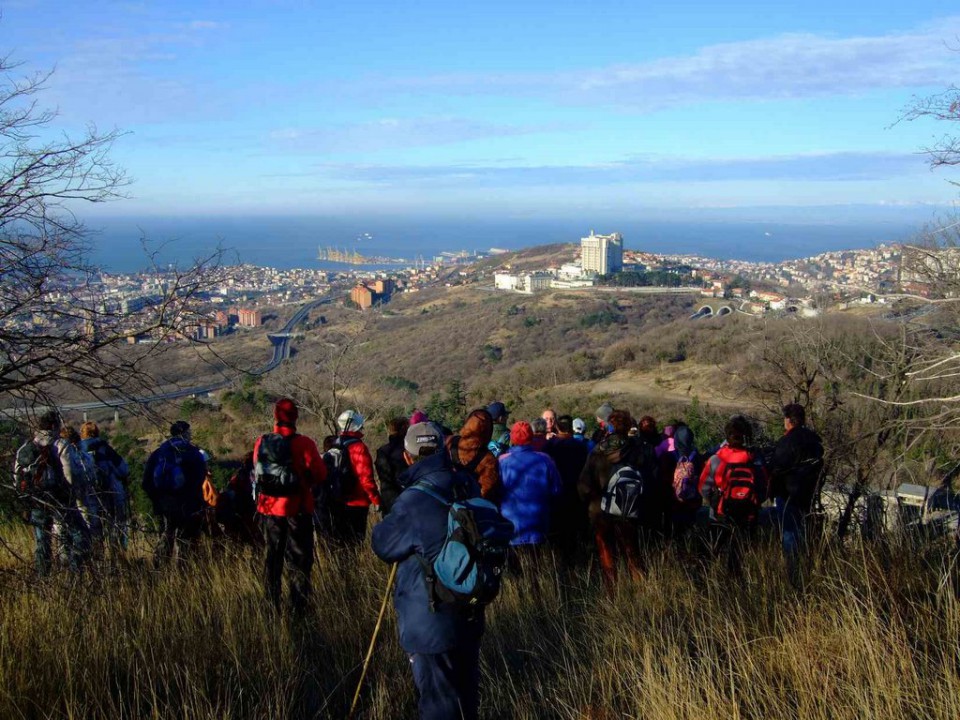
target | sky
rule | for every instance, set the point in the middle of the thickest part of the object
(494, 108)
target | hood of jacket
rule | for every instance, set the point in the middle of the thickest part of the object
(616, 447)
(475, 435)
(683, 441)
(45, 438)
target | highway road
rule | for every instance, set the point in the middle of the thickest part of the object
(282, 345)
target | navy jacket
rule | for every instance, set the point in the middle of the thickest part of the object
(417, 526)
(190, 498)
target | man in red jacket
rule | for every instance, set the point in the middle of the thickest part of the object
(287, 467)
(358, 489)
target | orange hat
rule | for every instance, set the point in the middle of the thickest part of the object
(521, 433)
(285, 412)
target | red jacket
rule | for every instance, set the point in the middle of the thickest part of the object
(307, 465)
(364, 492)
(712, 477)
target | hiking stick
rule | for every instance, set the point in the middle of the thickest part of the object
(373, 641)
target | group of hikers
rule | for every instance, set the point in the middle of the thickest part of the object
(458, 509)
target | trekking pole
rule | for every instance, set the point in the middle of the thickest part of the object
(373, 641)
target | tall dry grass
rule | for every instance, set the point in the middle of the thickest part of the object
(875, 635)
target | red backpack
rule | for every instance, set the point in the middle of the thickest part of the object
(740, 497)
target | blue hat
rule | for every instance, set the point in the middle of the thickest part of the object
(497, 410)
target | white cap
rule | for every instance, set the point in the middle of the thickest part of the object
(350, 421)
(579, 425)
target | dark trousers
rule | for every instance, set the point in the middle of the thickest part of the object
(179, 534)
(290, 540)
(351, 524)
(448, 683)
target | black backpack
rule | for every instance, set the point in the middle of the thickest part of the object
(273, 466)
(341, 478)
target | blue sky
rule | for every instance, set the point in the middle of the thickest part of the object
(499, 108)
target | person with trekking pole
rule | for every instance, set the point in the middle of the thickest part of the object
(441, 622)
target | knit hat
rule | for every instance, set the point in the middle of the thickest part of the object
(604, 411)
(419, 416)
(421, 435)
(521, 433)
(285, 412)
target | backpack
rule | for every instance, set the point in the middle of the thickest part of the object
(38, 470)
(740, 497)
(468, 569)
(168, 475)
(627, 492)
(341, 478)
(273, 466)
(685, 480)
(108, 474)
(498, 446)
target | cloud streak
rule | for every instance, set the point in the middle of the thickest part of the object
(825, 167)
(788, 66)
(395, 133)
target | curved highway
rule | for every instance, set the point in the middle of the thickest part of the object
(281, 351)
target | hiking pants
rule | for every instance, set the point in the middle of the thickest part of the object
(448, 683)
(616, 538)
(793, 532)
(288, 539)
(351, 524)
(68, 528)
(179, 533)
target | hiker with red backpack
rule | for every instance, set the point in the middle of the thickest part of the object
(49, 498)
(173, 480)
(287, 466)
(735, 484)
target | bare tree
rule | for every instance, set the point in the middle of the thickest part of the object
(58, 326)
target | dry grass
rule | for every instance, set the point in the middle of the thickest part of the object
(874, 636)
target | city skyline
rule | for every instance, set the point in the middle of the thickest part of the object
(514, 109)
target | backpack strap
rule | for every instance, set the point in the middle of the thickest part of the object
(426, 490)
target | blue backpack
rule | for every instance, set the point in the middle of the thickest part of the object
(168, 475)
(468, 569)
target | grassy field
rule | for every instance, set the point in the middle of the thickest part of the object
(874, 635)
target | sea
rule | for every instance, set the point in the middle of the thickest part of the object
(126, 244)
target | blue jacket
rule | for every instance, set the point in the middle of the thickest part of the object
(416, 527)
(531, 485)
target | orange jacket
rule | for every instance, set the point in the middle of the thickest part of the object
(364, 492)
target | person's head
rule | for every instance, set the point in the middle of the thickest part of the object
(579, 426)
(550, 417)
(285, 413)
(498, 411)
(421, 440)
(683, 439)
(647, 425)
(70, 434)
(398, 426)
(565, 424)
(329, 441)
(50, 421)
(89, 430)
(619, 422)
(738, 432)
(350, 421)
(539, 426)
(418, 416)
(521, 433)
(603, 413)
(794, 416)
(181, 429)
